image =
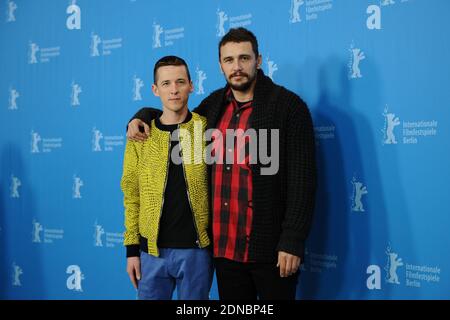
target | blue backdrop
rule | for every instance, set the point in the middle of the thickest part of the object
(375, 75)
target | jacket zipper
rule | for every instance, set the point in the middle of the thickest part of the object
(187, 190)
(163, 193)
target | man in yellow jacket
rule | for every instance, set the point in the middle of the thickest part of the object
(165, 186)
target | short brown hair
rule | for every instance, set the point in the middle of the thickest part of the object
(170, 61)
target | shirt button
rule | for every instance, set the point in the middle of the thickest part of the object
(228, 168)
(226, 203)
(237, 115)
(230, 150)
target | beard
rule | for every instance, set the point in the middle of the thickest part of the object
(244, 86)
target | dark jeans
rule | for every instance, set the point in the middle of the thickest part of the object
(249, 281)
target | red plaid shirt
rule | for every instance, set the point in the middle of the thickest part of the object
(232, 185)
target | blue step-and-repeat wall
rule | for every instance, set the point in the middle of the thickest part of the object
(375, 75)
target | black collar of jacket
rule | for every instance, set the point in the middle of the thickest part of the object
(168, 127)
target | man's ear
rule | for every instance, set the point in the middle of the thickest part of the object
(155, 90)
(191, 86)
(259, 62)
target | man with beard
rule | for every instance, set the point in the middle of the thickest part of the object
(260, 217)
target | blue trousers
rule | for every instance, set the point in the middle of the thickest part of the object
(189, 270)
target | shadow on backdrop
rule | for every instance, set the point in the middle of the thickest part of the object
(20, 262)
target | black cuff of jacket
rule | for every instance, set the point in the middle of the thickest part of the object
(290, 243)
(146, 115)
(133, 250)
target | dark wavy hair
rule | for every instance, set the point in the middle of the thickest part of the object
(240, 35)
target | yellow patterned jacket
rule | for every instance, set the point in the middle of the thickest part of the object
(145, 171)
